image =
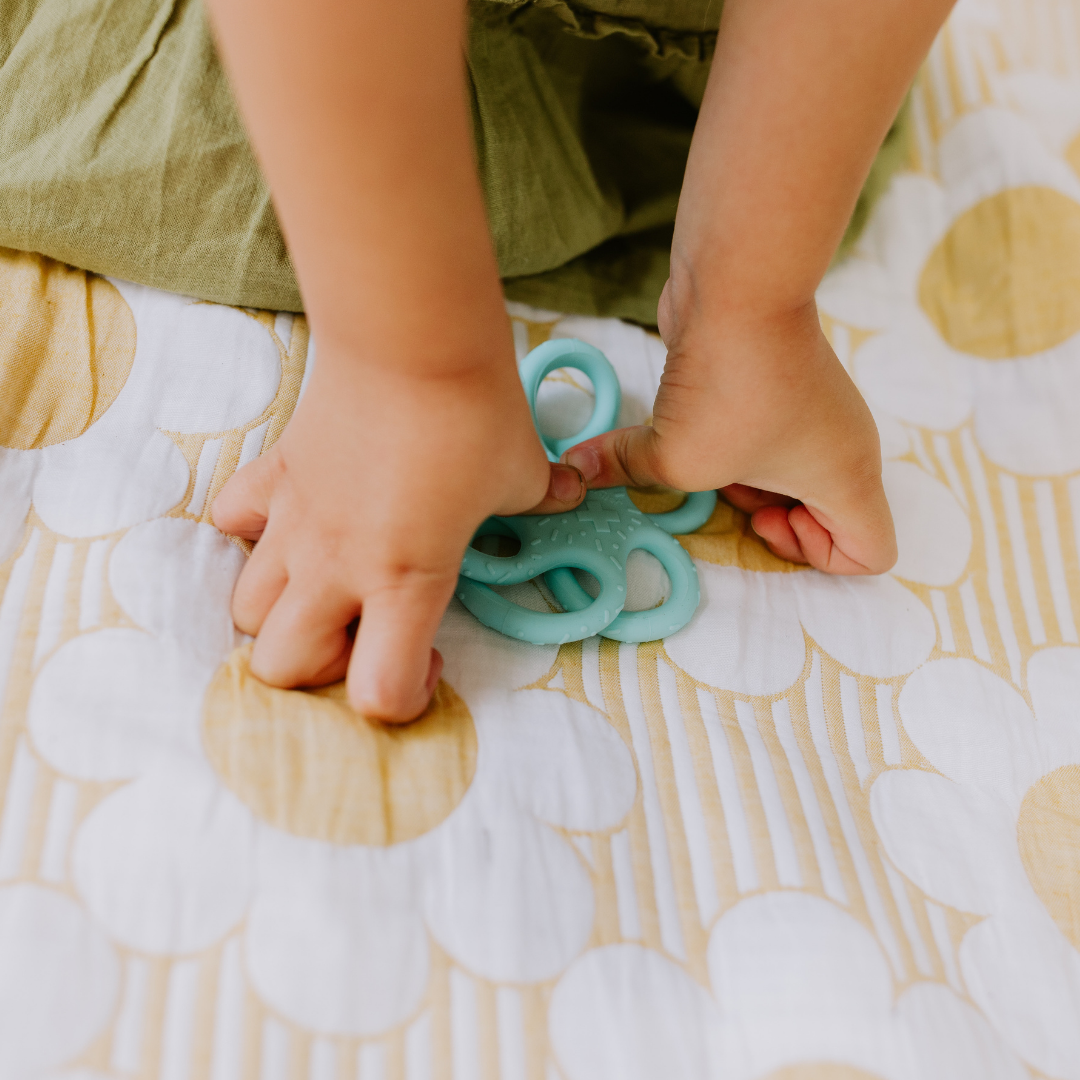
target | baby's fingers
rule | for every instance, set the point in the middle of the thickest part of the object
(304, 640)
(796, 535)
(751, 499)
(625, 457)
(394, 669)
(260, 584)
(243, 504)
(863, 544)
(566, 489)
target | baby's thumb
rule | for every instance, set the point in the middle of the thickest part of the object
(623, 458)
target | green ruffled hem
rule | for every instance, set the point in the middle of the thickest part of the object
(660, 42)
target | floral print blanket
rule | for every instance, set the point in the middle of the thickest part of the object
(828, 831)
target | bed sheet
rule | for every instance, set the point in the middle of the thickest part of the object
(828, 831)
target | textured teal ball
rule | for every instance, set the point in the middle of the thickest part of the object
(595, 538)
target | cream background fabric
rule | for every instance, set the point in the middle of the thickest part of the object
(829, 831)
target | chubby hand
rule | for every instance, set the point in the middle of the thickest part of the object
(760, 408)
(363, 510)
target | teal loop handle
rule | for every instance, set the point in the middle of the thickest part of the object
(694, 512)
(596, 538)
(571, 353)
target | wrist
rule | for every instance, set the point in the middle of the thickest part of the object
(477, 391)
(719, 305)
(413, 341)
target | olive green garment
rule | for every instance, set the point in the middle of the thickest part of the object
(121, 150)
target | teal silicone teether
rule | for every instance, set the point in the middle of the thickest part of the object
(596, 537)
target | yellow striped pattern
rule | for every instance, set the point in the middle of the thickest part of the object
(737, 794)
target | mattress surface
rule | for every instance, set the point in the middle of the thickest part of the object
(828, 831)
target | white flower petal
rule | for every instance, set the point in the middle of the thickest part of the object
(971, 726)
(910, 373)
(175, 578)
(479, 660)
(1025, 414)
(895, 441)
(904, 226)
(876, 288)
(1050, 104)
(79, 1074)
(58, 980)
(933, 532)
(1053, 676)
(112, 477)
(198, 367)
(957, 844)
(334, 940)
(873, 625)
(17, 468)
(745, 635)
(798, 979)
(217, 368)
(972, 16)
(860, 292)
(951, 1040)
(107, 705)
(561, 759)
(164, 863)
(1025, 977)
(992, 149)
(624, 1012)
(505, 896)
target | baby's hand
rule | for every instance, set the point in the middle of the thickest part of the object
(761, 408)
(364, 508)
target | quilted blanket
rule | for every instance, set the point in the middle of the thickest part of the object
(828, 831)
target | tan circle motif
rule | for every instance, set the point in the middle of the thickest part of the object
(1004, 281)
(821, 1070)
(1072, 154)
(1049, 837)
(726, 539)
(67, 342)
(304, 762)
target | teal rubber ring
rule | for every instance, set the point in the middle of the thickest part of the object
(596, 538)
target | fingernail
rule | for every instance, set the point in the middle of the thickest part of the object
(585, 460)
(567, 483)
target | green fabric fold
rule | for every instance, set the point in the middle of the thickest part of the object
(122, 152)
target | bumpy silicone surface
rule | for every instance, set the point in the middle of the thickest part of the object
(596, 537)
